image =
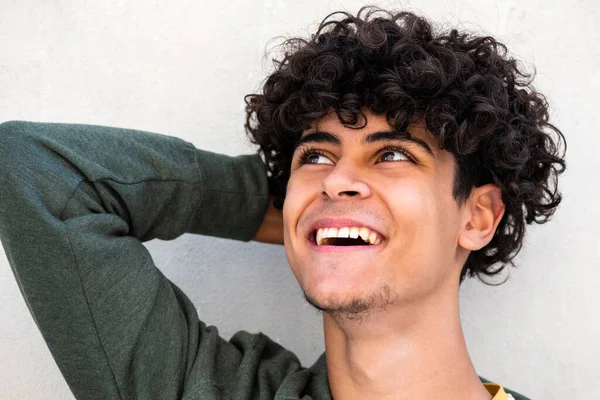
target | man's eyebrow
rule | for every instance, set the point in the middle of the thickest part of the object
(381, 136)
(318, 137)
(396, 135)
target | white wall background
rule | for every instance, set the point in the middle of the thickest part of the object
(182, 68)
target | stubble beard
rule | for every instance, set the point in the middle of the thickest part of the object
(356, 309)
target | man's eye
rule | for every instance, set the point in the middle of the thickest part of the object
(394, 155)
(317, 159)
(313, 157)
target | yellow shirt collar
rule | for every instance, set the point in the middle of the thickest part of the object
(497, 391)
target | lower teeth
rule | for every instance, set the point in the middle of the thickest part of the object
(343, 242)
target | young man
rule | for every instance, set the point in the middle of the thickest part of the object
(403, 161)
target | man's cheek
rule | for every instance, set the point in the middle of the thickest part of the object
(291, 211)
(409, 202)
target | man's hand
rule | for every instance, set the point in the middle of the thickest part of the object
(271, 228)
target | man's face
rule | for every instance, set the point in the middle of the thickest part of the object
(385, 187)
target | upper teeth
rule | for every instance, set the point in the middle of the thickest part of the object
(348, 232)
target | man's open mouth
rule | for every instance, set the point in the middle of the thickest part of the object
(347, 236)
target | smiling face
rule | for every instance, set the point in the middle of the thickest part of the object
(391, 188)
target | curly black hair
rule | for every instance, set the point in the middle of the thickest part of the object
(472, 96)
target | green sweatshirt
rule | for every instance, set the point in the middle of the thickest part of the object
(76, 204)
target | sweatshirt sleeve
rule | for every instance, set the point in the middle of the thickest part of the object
(76, 203)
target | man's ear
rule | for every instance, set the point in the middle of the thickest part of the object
(484, 210)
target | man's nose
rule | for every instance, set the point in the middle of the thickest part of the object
(345, 180)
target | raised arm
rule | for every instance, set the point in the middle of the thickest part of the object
(271, 228)
(76, 203)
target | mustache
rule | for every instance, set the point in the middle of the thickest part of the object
(348, 210)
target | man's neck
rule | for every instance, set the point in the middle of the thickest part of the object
(401, 353)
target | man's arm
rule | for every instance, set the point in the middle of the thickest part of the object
(271, 228)
(76, 203)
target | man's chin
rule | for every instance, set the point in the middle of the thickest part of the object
(351, 307)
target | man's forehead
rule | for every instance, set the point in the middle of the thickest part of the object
(375, 123)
